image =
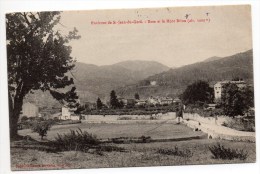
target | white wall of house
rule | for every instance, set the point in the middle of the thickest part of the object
(217, 90)
(67, 115)
(218, 87)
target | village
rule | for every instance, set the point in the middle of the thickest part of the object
(31, 110)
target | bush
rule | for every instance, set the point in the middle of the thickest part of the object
(176, 152)
(220, 152)
(75, 140)
(24, 118)
(124, 118)
(65, 122)
(41, 127)
(241, 124)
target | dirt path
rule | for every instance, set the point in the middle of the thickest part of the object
(221, 132)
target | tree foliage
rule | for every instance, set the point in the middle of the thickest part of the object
(99, 103)
(236, 101)
(41, 127)
(114, 100)
(137, 97)
(38, 58)
(198, 92)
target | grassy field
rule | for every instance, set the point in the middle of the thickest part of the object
(26, 156)
(159, 130)
(136, 154)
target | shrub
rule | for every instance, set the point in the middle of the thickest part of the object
(221, 152)
(24, 118)
(75, 140)
(241, 124)
(124, 118)
(41, 127)
(176, 152)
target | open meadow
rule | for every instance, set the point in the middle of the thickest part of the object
(105, 131)
(32, 155)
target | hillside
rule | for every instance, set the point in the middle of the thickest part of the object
(97, 81)
(174, 81)
(212, 59)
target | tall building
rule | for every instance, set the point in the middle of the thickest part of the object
(218, 87)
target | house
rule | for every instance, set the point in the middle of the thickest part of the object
(153, 100)
(47, 113)
(140, 102)
(166, 100)
(218, 87)
(30, 110)
(128, 102)
(68, 114)
(177, 100)
(210, 106)
(153, 83)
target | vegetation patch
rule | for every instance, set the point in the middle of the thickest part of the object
(126, 140)
(221, 152)
(241, 124)
(124, 118)
(76, 140)
(176, 152)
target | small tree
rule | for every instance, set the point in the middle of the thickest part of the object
(41, 127)
(99, 103)
(113, 100)
(137, 97)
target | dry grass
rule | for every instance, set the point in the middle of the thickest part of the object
(134, 156)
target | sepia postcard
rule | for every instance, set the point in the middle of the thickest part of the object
(130, 87)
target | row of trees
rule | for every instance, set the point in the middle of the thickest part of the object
(234, 100)
(114, 102)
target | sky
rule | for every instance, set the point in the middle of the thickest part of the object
(226, 30)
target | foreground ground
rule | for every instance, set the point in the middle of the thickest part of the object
(136, 154)
(25, 156)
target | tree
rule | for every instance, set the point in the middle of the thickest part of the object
(99, 103)
(235, 101)
(198, 93)
(113, 100)
(41, 127)
(38, 58)
(137, 97)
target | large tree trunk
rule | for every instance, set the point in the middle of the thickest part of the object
(15, 107)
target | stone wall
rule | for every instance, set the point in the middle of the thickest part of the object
(170, 116)
(218, 120)
(213, 127)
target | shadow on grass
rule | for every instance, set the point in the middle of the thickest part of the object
(28, 143)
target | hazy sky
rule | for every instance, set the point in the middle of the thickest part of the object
(173, 44)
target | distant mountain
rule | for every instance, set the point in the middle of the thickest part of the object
(143, 68)
(97, 81)
(212, 59)
(174, 81)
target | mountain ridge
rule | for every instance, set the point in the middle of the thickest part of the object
(174, 81)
